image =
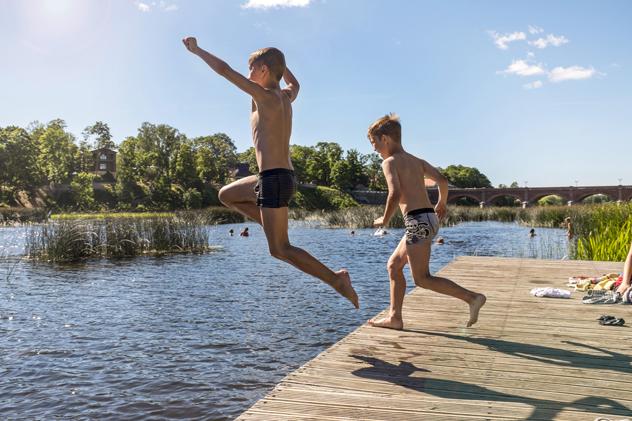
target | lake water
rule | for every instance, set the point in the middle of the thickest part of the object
(197, 336)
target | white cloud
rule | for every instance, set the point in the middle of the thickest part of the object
(549, 40)
(560, 74)
(143, 7)
(269, 4)
(162, 5)
(535, 29)
(530, 54)
(533, 85)
(523, 68)
(501, 40)
(168, 7)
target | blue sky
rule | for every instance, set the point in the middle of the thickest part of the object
(536, 91)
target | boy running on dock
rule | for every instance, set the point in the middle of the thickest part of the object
(405, 175)
(265, 198)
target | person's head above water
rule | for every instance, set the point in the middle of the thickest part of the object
(266, 65)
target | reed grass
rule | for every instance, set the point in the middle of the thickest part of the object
(605, 234)
(63, 240)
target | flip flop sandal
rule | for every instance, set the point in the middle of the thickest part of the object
(612, 322)
(606, 317)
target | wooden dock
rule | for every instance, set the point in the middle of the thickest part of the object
(527, 358)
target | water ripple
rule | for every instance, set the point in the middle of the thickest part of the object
(199, 336)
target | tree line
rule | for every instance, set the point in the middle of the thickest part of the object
(162, 168)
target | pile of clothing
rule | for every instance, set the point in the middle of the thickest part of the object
(608, 281)
(601, 289)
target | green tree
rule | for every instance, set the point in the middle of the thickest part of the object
(326, 156)
(128, 190)
(249, 157)
(84, 159)
(357, 162)
(349, 172)
(82, 190)
(184, 173)
(192, 199)
(216, 157)
(301, 158)
(375, 175)
(465, 177)
(57, 152)
(156, 148)
(18, 159)
(342, 176)
(101, 133)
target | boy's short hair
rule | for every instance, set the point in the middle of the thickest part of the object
(388, 125)
(271, 57)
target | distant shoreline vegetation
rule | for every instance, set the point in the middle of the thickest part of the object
(601, 232)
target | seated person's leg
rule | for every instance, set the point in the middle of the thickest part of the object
(627, 273)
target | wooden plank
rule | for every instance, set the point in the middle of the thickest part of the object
(527, 358)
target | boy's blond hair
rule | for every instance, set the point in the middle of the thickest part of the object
(388, 125)
(273, 58)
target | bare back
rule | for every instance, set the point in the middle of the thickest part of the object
(412, 189)
(271, 123)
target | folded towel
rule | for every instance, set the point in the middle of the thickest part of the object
(551, 292)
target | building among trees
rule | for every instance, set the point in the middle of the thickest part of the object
(105, 163)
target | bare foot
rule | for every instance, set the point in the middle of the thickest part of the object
(475, 307)
(389, 322)
(345, 288)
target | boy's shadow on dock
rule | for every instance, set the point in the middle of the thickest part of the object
(607, 359)
(451, 389)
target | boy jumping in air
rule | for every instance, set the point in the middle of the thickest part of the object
(265, 198)
(405, 178)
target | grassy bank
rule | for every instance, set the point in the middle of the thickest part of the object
(210, 216)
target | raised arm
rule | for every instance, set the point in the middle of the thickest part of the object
(434, 174)
(223, 69)
(291, 90)
(392, 180)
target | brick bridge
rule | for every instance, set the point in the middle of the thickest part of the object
(527, 195)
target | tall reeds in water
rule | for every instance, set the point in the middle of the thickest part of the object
(605, 233)
(74, 240)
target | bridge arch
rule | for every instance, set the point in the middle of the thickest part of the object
(453, 199)
(586, 195)
(490, 200)
(534, 199)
